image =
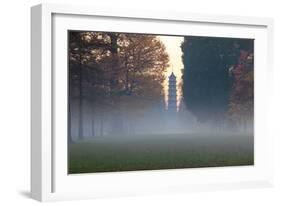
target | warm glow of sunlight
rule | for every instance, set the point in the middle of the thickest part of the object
(172, 44)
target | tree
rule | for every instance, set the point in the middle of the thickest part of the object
(107, 70)
(241, 106)
(144, 61)
(86, 49)
(206, 81)
(75, 84)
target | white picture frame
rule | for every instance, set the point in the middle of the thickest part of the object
(49, 179)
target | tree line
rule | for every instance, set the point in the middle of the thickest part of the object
(218, 82)
(110, 71)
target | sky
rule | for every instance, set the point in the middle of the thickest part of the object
(172, 44)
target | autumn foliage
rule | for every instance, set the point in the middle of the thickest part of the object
(241, 106)
(108, 72)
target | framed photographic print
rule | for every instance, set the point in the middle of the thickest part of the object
(137, 102)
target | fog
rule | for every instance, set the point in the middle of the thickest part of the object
(151, 119)
(151, 137)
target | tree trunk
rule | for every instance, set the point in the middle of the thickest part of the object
(117, 125)
(114, 63)
(80, 99)
(101, 124)
(70, 99)
(127, 76)
(93, 120)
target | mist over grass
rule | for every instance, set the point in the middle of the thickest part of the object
(151, 152)
(153, 139)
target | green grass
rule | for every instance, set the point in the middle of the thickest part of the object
(107, 154)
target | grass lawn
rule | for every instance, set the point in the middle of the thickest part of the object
(107, 154)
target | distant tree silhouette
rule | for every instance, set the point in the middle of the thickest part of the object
(206, 80)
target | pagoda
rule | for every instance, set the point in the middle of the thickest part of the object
(172, 93)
